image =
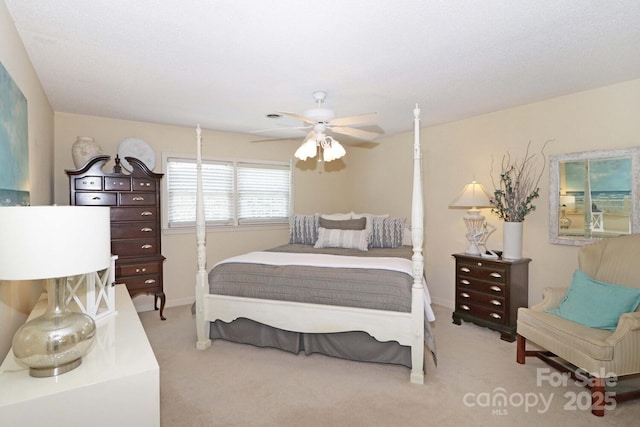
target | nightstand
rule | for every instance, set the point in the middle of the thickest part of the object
(489, 292)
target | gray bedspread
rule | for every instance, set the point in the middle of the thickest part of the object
(375, 289)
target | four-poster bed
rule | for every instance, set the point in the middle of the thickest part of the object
(405, 325)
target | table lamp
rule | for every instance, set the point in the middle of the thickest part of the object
(52, 243)
(473, 197)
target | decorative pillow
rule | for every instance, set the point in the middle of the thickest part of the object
(369, 226)
(347, 224)
(387, 232)
(304, 229)
(335, 238)
(407, 238)
(596, 304)
(336, 216)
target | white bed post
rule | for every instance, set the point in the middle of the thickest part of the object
(202, 325)
(417, 292)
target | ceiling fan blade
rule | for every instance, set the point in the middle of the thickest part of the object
(354, 120)
(356, 133)
(299, 117)
(281, 128)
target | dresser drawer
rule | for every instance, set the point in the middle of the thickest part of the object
(137, 199)
(131, 230)
(134, 214)
(115, 183)
(88, 183)
(149, 282)
(484, 271)
(96, 199)
(139, 269)
(130, 247)
(483, 313)
(143, 184)
(465, 283)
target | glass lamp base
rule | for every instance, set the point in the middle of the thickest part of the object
(55, 342)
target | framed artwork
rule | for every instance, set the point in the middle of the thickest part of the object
(14, 143)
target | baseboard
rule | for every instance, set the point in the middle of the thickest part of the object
(443, 302)
(145, 302)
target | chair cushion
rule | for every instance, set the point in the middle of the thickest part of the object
(576, 341)
(596, 304)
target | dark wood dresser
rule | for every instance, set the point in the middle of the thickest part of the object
(135, 220)
(489, 292)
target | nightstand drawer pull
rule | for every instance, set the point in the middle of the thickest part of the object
(495, 302)
(96, 198)
(496, 288)
(138, 199)
(146, 229)
(146, 213)
(149, 281)
(465, 307)
(146, 246)
(465, 270)
(496, 275)
(464, 295)
(495, 316)
(465, 282)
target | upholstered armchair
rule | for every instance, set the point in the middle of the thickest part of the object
(603, 337)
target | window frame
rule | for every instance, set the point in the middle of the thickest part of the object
(235, 224)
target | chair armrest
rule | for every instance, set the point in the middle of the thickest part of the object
(628, 322)
(551, 298)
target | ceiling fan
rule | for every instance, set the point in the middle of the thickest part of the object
(320, 121)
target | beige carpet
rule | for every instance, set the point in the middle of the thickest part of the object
(239, 385)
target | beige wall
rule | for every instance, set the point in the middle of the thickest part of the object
(456, 153)
(317, 188)
(16, 300)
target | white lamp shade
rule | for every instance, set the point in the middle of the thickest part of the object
(45, 242)
(568, 202)
(333, 151)
(473, 195)
(307, 149)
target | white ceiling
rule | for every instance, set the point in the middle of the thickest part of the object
(225, 64)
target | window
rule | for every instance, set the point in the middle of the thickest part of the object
(235, 192)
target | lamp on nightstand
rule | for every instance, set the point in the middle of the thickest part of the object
(474, 197)
(53, 243)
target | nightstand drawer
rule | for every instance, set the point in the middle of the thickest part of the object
(130, 247)
(137, 283)
(484, 271)
(482, 313)
(489, 301)
(468, 283)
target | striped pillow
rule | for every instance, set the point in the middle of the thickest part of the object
(304, 229)
(336, 238)
(387, 232)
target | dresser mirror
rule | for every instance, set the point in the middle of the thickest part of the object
(594, 195)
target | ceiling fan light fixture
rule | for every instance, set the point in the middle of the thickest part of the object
(308, 149)
(332, 150)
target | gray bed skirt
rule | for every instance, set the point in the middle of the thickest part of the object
(354, 345)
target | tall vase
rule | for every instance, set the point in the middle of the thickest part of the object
(512, 241)
(83, 150)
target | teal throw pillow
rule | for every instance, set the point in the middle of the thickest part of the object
(596, 304)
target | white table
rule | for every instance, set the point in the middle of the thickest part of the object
(118, 382)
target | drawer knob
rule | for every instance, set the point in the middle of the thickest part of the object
(138, 199)
(496, 288)
(138, 270)
(464, 295)
(465, 282)
(495, 316)
(146, 213)
(465, 307)
(96, 197)
(465, 269)
(147, 246)
(146, 229)
(496, 275)
(149, 281)
(495, 302)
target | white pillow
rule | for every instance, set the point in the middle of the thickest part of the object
(336, 238)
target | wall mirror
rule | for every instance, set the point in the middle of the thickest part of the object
(594, 195)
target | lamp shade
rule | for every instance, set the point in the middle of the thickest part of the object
(473, 195)
(44, 242)
(568, 202)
